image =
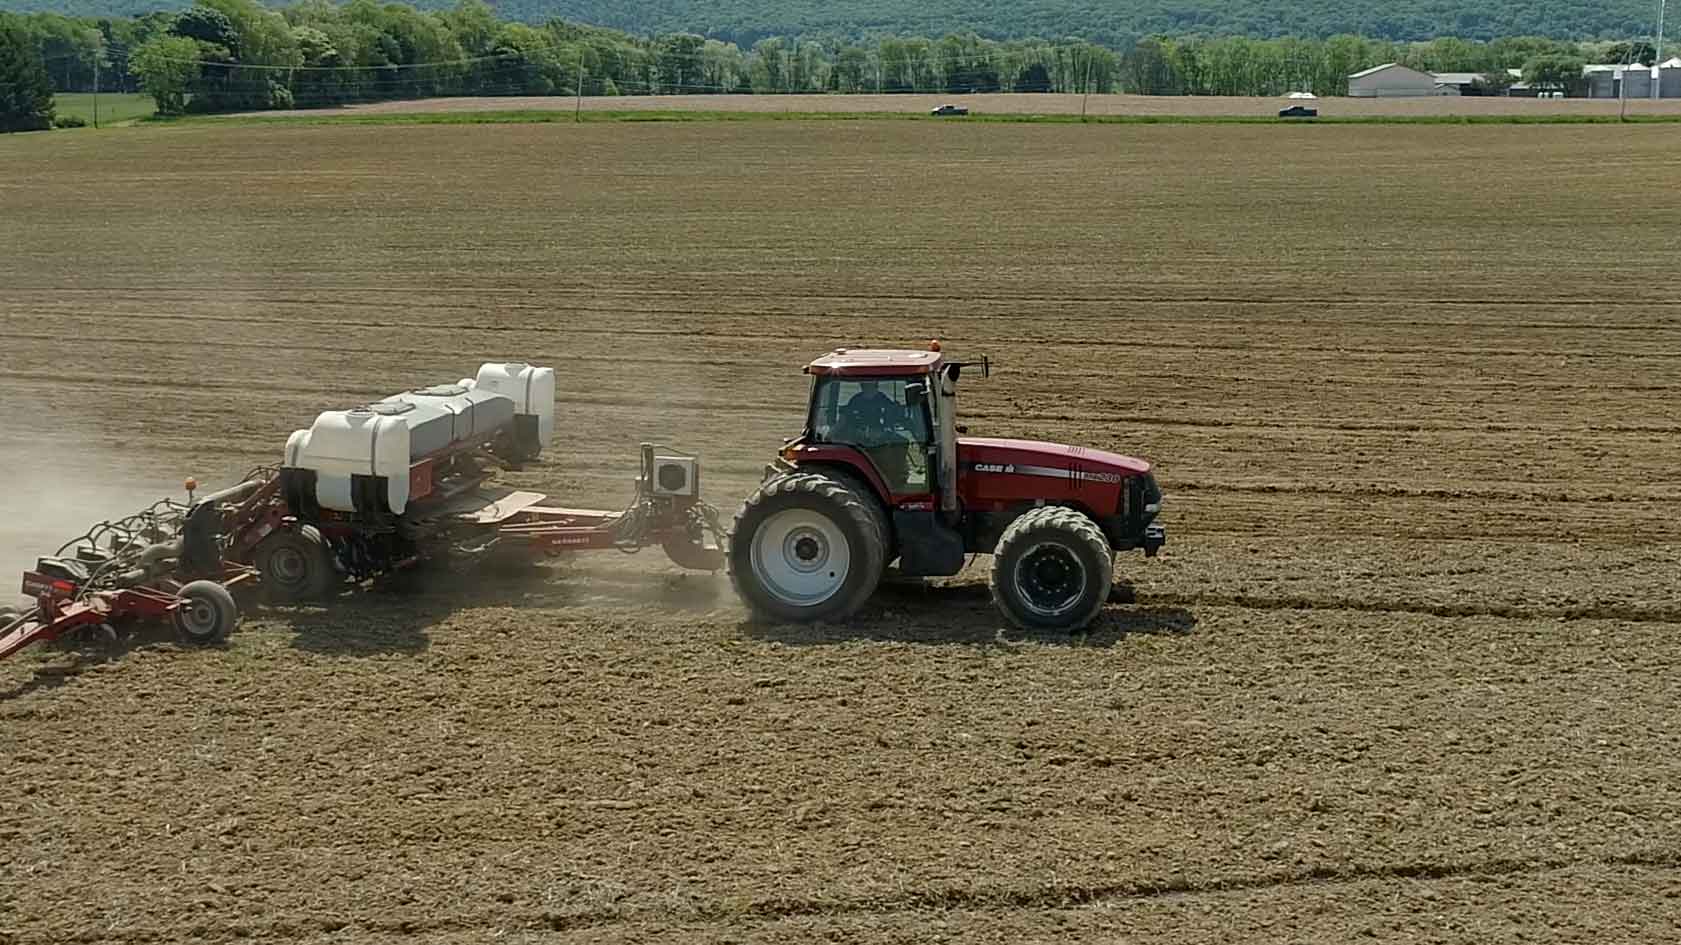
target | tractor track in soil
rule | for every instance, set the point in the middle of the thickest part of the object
(1405, 670)
(635, 301)
(1658, 613)
(1054, 898)
(1006, 342)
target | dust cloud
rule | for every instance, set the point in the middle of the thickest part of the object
(43, 505)
(665, 415)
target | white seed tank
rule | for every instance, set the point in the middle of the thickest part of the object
(386, 438)
(531, 389)
(362, 441)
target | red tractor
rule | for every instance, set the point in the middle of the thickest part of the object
(880, 472)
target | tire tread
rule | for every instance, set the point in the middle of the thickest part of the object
(1061, 518)
(840, 492)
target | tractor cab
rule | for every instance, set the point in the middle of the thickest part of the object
(877, 403)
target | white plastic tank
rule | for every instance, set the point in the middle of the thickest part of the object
(365, 441)
(531, 389)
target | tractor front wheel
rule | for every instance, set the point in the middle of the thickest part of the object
(207, 612)
(1052, 570)
(295, 564)
(808, 546)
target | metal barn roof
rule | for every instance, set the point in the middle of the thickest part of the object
(1374, 70)
(1408, 70)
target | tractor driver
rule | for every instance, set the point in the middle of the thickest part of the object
(870, 413)
(883, 428)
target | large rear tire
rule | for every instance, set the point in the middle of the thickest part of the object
(207, 613)
(808, 546)
(295, 564)
(1052, 570)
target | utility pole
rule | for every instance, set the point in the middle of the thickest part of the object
(1622, 93)
(1657, 57)
(96, 57)
(1621, 76)
(578, 102)
(1087, 94)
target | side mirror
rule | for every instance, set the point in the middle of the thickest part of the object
(916, 394)
(954, 369)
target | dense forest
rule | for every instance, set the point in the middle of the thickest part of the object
(222, 55)
(1112, 24)
(745, 22)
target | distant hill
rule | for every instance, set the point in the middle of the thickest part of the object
(1110, 23)
(1113, 22)
(92, 7)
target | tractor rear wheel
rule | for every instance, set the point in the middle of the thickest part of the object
(808, 546)
(1052, 570)
(207, 612)
(295, 564)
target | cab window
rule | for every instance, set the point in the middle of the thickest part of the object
(880, 418)
(868, 412)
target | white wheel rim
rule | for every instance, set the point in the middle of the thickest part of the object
(800, 557)
(198, 616)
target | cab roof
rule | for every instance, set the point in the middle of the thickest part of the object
(875, 362)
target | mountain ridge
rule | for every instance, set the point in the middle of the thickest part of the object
(1117, 26)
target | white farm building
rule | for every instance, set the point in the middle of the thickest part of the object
(1391, 80)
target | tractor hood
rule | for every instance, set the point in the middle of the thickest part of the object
(989, 450)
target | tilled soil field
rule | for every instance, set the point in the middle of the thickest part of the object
(1406, 670)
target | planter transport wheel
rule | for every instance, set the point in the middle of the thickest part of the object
(295, 564)
(207, 612)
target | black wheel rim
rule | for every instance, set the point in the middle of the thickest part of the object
(1050, 579)
(287, 567)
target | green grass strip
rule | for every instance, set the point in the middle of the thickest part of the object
(541, 116)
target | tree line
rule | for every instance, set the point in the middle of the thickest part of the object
(223, 55)
(1237, 65)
